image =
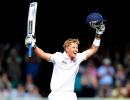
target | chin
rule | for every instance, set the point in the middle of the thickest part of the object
(74, 56)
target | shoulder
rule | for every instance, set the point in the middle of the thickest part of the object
(82, 55)
(57, 55)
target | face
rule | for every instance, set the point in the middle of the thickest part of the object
(72, 50)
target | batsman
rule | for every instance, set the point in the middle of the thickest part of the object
(66, 64)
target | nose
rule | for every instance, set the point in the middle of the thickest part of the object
(76, 50)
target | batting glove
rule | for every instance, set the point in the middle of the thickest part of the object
(30, 40)
(100, 29)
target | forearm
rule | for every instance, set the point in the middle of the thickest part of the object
(97, 40)
(42, 54)
(95, 46)
(39, 52)
(96, 43)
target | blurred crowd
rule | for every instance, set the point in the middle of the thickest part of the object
(17, 72)
(105, 75)
(102, 75)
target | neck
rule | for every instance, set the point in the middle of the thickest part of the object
(71, 58)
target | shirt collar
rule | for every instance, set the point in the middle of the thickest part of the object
(65, 55)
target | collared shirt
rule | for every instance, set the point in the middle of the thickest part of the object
(64, 71)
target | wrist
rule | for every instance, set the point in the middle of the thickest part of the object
(34, 47)
(98, 36)
(96, 42)
(99, 32)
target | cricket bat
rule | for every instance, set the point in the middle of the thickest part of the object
(31, 23)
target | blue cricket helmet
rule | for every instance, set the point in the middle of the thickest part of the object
(94, 17)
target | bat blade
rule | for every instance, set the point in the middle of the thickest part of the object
(31, 24)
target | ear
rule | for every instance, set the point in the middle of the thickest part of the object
(66, 49)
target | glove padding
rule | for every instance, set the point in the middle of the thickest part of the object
(99, 26)
(30, 40)
(100, 29)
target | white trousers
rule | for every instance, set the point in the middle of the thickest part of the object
(62, 96)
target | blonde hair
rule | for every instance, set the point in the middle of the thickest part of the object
(69, 41)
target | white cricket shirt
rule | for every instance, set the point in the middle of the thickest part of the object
(64, 71)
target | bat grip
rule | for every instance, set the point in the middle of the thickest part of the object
(30, 51)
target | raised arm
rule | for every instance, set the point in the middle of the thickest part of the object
(42, 54)
(37, 50)
(95, 46)
(96, 43)
(95, 20)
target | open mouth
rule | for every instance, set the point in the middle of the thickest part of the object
(75, 53)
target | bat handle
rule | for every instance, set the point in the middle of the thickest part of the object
(30, 51)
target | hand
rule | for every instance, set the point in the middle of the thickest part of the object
(99, 26)
(30, 40)
(100, 29)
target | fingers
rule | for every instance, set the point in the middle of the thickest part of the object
(93, 24)
(30, 40)
(100, 29)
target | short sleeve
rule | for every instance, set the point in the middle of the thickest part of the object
(81, 56)
(54, 57)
